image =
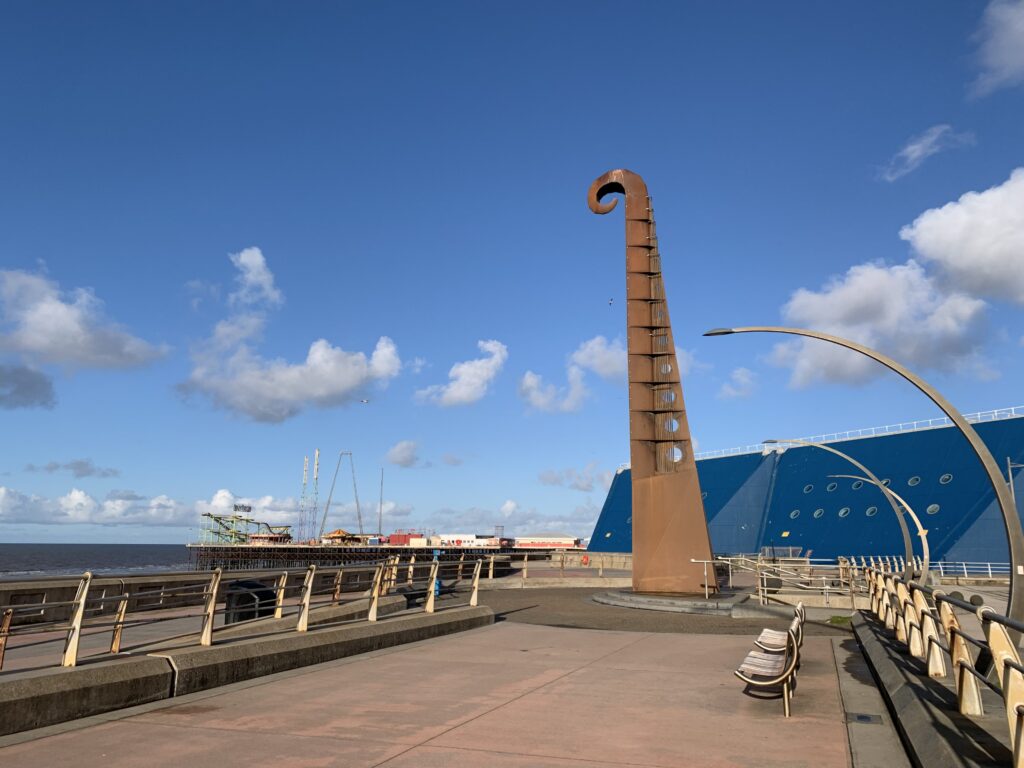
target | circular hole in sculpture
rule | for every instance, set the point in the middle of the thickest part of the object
(857, 485)
(871, 511)
(946, 479)
(818, 513)
(808, 488)
(914, 480)
(794, 514)
(831, 487)
(932, 509)
(844, 511)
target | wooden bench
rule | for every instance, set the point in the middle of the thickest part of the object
(769, 669)
(775, 639)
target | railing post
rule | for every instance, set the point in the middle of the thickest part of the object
(393, 580)
(206, 633)
(942, 573)
(526, 558)
(282, 583)
(412, 563)
(115, 638)
(990, 570)
(965, 569)
(476, 582)
(462, 559)
(730, 574)
(5, 629)
(705, 579)
(307, 591)
(490, 569)
(600, 568)
(338, 579)
(431, 588)
(70, 657)
(378, 578)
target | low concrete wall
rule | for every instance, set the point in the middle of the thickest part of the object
(197, 668)
(48, 696)
(351, 611)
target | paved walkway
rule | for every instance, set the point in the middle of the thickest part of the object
(512, 694)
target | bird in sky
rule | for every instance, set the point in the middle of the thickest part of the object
(364, 401)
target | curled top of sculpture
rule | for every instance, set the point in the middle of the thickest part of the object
(618, 181)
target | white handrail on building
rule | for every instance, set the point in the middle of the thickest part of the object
(890, 429)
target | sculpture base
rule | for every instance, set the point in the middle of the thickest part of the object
(720, 604)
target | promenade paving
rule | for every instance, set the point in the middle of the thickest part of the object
(513, 694)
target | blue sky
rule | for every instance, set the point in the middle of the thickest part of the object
(224, 226)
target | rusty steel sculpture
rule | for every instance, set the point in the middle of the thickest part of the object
(670, 530)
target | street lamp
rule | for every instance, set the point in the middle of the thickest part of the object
(908, 547)
(1011, 521)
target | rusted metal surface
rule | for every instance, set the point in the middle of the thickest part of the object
(669, 527)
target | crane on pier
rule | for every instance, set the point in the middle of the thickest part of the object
(355, 493)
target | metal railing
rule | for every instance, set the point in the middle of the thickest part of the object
(997, 414)
(924, 621)
(209, 597)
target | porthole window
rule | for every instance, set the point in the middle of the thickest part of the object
(808, 488)
(871, 511)
(794, 514)
(946, 479)
(858, 484)
(886, 482)
(831, 487)
(914, 480)
(668, 396)
(844, 511)
(818, 513)
(932, 509)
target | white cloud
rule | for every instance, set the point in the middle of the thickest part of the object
(46, 325)
(898, 310)
(586, 479)
(228, 371)
(254, 279)
(606, 359)
(77, 506)
(451, 460)
(547, 397)
(416, 365)
(978, 240)
(688, 363)
(404, 453)
(578, 521)
(344, 515)
(1000, 47)
(742, 383)
(275, 390)
(919, 148)
(470, 379)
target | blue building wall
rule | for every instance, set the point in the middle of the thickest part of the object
(788, 499)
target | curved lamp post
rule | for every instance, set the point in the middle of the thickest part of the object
(1011, 521)
(908, 547)
(921, 531)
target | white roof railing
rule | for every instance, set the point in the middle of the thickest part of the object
(890, 429)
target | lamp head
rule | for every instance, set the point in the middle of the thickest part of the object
(719, 332)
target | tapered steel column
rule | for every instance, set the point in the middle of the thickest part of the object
(669, 526)
(908, 547)
(1011, 520)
